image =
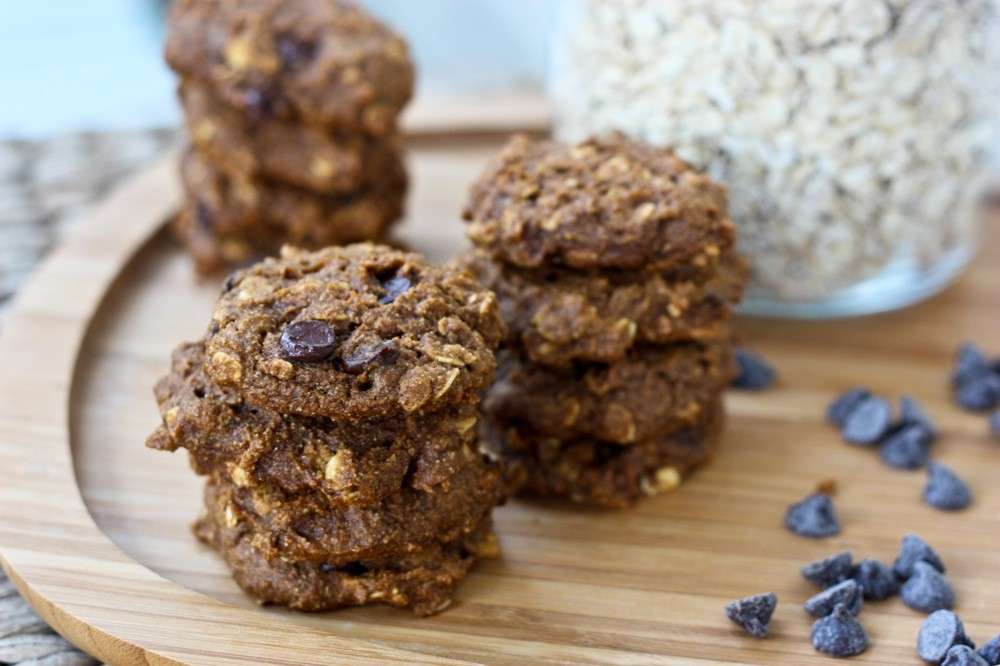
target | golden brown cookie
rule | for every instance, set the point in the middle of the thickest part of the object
(559, 316)
(355, 332)
(606, 203)
(357, 463)
(326, 62)
(319, 159)
(653, 391)
(589, 471)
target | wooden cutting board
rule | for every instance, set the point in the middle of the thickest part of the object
(94, 527)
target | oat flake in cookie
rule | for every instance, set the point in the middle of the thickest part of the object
(611, 203)
(325, 62)
(429, 347)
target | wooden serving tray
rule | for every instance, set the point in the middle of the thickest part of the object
(94, 527)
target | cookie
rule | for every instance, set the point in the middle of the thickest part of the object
(359, 463)
(558, 316)
(315, 158)
(355, 332)
(324, 62)
(423, 580)
(307, 528)
(229, 219)
(589, 471)
(651, 392)
(603, 204)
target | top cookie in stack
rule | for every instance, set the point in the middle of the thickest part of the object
(332, 404)
(614, 265)
(291, 108)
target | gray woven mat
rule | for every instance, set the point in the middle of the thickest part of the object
(46, 186)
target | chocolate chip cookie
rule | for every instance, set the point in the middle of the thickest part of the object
(307, 156)
(651, 392)
(606, 203)
(559, 316)
(324, 62)
(350, 333)
(588, 471)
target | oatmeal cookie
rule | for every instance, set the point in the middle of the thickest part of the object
(588, 471)
(558, 316)
(315, 158)
(358, 463)
(611, 203)
(356, 332)
(307, 528)
(423, 580)
(651, 392)
(324, 62)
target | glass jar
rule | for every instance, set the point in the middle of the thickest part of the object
(855, 136)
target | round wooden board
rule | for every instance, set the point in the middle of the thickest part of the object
(94, 527)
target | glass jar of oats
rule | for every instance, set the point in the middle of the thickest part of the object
(855, 136)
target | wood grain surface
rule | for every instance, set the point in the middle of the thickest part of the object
(94, 528)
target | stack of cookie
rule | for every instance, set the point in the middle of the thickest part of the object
(291, 109)
(333, 406)
(614, 266)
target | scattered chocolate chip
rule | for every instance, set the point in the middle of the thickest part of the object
(844, 404)
(944, 490)
(394, 288)
(848, 593)
(868, 421)
(979, 394)
(753, 372)
(941, 631)
(230, 282)
(908, 447)
(753, 613)
(839, 634)
(356, 361)
(912, 550)
(295, 52)
(355, 569)
(927, 590)
(912, 413)
(970, 363)
(876, 579)
(829, 571)
(995, 424)
(813, 517)
(327, 568)
(203, 215)
(990, 651)
(257, 104)
(308, 340)
(963, 655)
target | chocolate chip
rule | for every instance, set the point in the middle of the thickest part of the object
(941, 631)
(912, 412)
(867, 422)
(355, 569)
(753, 613)
(909, 447)
(848, 593)
(327, 568)
(294, 52)
(877, 580)
(839, 634)
(944, 490)
(257, 103)
(394, 288)
(990, 651)
(963, 655)
(203, 215)
(979, 394)
(927, 590)
(753, 372)
(970, 363)
(829, 571)
(308, 340)
(912, 550)
(230, 282)
(844, 404)
(813, 517)
(356, 361)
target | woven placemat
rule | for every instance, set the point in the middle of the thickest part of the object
(45, 187)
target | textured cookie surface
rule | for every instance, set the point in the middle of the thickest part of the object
(558, 316)
(359, 463)
(361, 331)
(651, 392)
(326, 62)
(610, 203)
